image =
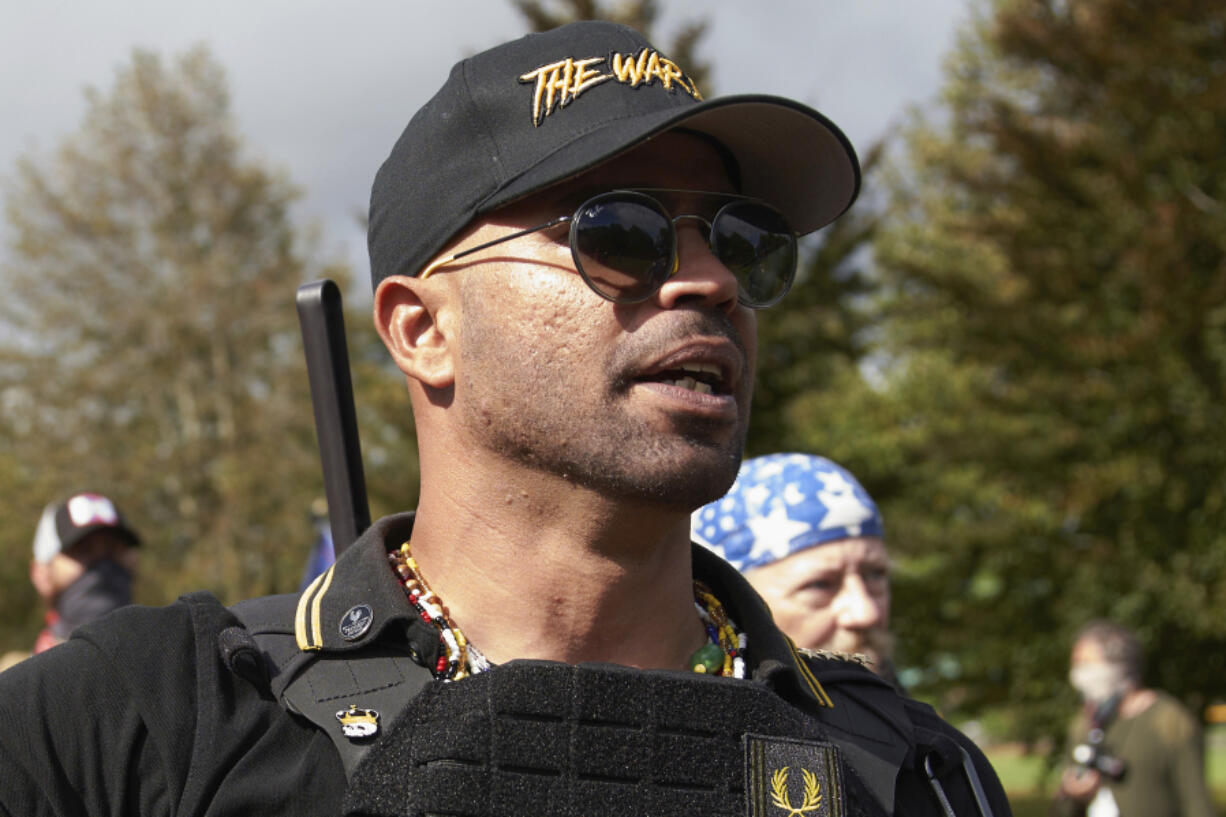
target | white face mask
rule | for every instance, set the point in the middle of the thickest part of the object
(1098, 681)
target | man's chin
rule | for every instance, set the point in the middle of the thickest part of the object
(685, 476)
(876, 647)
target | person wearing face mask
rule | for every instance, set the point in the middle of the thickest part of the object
(810, 540)
(84, 561)
(1136, 751)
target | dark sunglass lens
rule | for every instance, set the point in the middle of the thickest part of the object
(756, 243)
(623, 245)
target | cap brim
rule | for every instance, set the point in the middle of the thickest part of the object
(77, 534)
(789, 155)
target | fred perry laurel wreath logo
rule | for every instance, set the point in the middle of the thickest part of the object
(779, 792)
(560, 83)
(773, 789)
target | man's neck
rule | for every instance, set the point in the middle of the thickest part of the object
(547, 570)
(1136, 701)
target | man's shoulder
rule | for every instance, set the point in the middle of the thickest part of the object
(149, 652)
(1168, 704)
(150, 703)
(1173, 721)
(874, 714)
(856, 700)
(137, 628)
(851, 685)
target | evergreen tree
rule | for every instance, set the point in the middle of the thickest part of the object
(1048, 438)
(149, 345)
(820, 334)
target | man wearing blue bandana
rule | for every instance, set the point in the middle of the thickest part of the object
(810, 539)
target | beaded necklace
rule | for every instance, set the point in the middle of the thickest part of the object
(723, 654)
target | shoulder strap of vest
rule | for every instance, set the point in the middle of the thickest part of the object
(369, 687)
(946, 765)
(877, 714)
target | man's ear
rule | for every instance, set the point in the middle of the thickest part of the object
(408, 315)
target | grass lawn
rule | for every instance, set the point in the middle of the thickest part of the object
(1030, 792)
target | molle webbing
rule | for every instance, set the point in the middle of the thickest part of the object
(541, 739)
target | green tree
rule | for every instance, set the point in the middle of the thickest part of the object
(1049, 436)
(149, 345)
(820, 334)
(20, 611)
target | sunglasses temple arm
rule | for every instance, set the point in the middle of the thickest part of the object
(434, 265)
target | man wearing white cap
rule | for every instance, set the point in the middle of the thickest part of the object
(84, 560)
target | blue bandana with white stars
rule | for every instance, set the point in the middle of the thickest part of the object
(782, 503)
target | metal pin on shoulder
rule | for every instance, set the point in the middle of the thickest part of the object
(357, 722)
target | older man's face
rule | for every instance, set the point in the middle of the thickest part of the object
(835, 596)
(554, 377)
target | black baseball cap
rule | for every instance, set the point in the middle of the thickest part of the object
(70, 521)
(536, 111)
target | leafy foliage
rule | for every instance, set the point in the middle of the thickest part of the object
(823, 329)
(150, 347)
(1048, 434)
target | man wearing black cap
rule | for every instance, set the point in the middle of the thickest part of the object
(84, 560)
(567, 245)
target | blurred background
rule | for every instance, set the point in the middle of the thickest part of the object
(1017, 339)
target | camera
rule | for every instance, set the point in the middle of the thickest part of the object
(1090, 755)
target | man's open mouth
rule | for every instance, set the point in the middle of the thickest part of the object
(703, 378)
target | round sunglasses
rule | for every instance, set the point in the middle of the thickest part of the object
(624, 244)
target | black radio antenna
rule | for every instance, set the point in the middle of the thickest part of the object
(336, 426)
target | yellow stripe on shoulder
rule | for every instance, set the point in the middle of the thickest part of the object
(310, 600)
(815, 686)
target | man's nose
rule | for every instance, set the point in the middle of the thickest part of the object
(700, 276)
(855, 607)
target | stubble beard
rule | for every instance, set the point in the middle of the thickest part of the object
(525, 407)
(876, 643)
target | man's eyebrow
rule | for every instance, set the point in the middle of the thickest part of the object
(839, 567)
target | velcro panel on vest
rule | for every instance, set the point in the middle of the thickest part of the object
(543, 739)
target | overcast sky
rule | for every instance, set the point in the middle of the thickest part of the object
(322, 89)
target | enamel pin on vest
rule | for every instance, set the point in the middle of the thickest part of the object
(357, 723)
(356, 622)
